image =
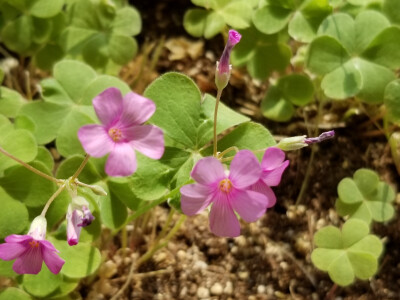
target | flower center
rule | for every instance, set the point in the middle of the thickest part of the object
(34, 244)
(225, 185)
(115, 134)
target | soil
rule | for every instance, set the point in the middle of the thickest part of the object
(271, 259)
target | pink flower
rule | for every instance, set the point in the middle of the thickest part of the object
(78, 216)
(223, 67)
(227, 193)
(122, 132)
(31, 250)
(273, 165)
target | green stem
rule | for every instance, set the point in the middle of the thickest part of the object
(54, 196)
(233, 148)
(149, 254)
(219, 92)
(30, 168)
(166, 225)
(80, 169)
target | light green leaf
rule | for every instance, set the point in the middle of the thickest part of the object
(271, 19)
(46, 8)
(42, 284)
(275, 107)
(14, 293)
(178, 109)
(392, 100)
(127, 22)
(80, 260)
(347, 254)
(194, 21)
(10, 102)
(13, 216)
(237, 14)
(17, 34)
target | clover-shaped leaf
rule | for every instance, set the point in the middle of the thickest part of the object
(365, 197)
(347, 254)
(261, 53)
(355, 56)
(303, 17)
(101, 33)
(391, 8)
(216, 14)
(278, 103)
(28, 23)
(66, 104)
(10, 102)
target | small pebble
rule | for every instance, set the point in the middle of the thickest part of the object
(216, 289)
(261, 289)
(203, 292)
(181, 254)
(243, 275)
(200, 265)
(228, 288)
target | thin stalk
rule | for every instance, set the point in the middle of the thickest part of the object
(30, 168)
(331, 294)
(304, 185)
(28, 85)
(166, 225)
(233, 148)
(124, 240)
(83, 164)
(215, 120)
(145, 257)
(54, 196)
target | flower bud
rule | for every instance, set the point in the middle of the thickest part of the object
(38, 228)
(292, 143)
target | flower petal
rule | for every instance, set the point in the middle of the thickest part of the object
(10, 251)
(95, 140)
(108, 106)
(16, 238)
(137, 110)
(73, 230)
(223, 221)
(250, 205)
(264, 189)
(273, 177)
(195, 198)
(245, 169)
(122, 160)
(51, 259)
(30, 262)
(147, 139)
(208, 171)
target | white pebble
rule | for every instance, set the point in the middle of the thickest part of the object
(216, 289)
(203, 292)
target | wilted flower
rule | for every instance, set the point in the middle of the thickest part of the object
(29, 251)
(298, 142)
(227, 193)
(273, 165)
(223, 67)
(78, 216)
(122, 132)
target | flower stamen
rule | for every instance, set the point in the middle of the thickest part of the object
(34, 244)
(225, 185)
(115, 134)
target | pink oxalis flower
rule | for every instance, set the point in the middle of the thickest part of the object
(273, 165)
(223, 66)
(29, 251)
(78, 216)
(227, 193)
(122, 131)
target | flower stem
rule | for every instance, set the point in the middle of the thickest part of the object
(30, 168)
(219, 92)
(233, 148)
(145, 257)
(83, 164)
(54, 196)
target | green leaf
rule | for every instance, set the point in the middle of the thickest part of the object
(45, 157)
(127, 22)
(178, 109)
(392, 100)
(112, 211)
(14, 293)
(352, 253)
(371, 43)
(6, 270)
(18, 142)
(28, 187)
(122, 48)
(194, 21)
(47, 56)
(42, 284)
(10, 102)
(271, 19)
(80, 260)
(46, 8)
(261, 53)
(275, 107)
(391, 8)
(13, 216)
(17, 34)
(365, 197)
(237, 14)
